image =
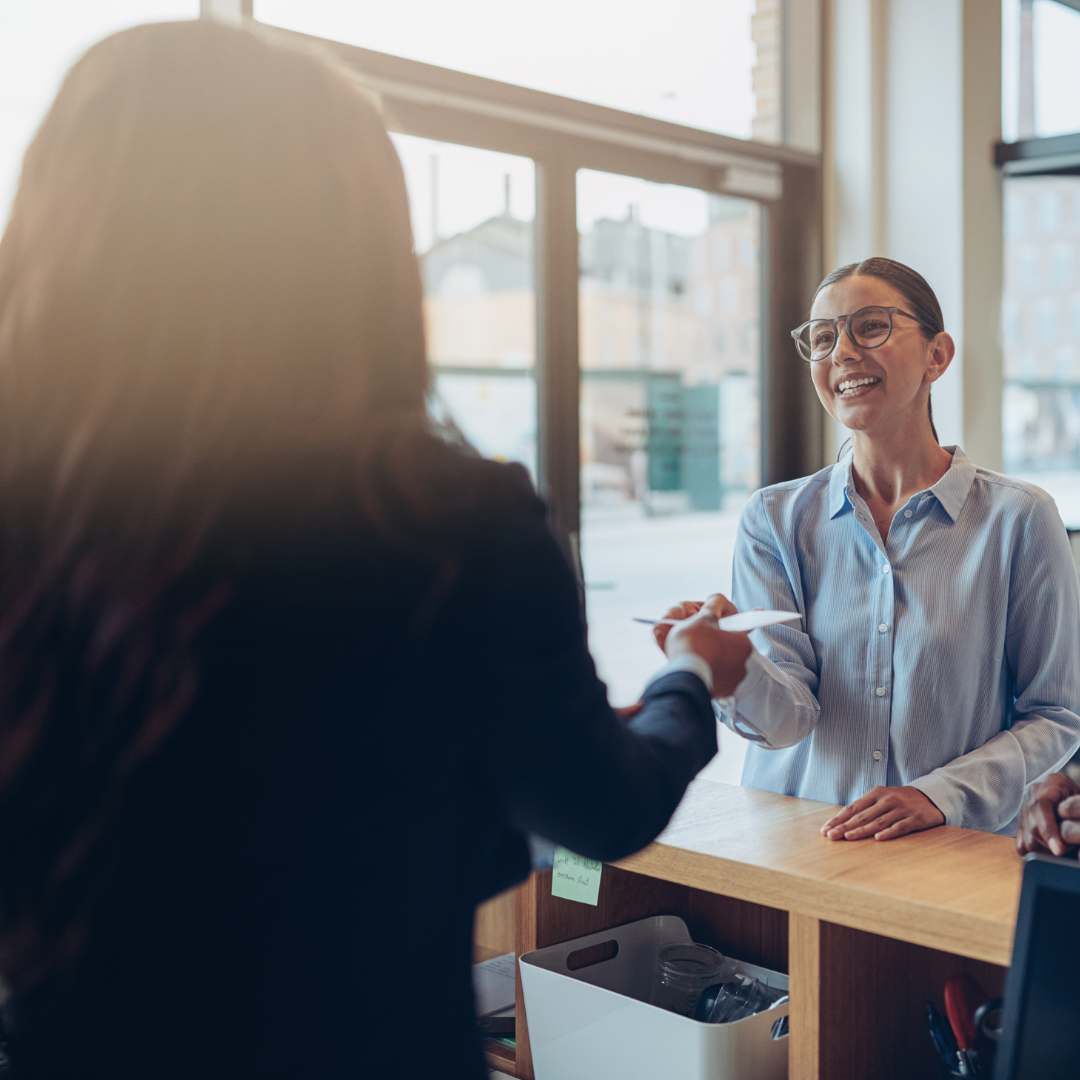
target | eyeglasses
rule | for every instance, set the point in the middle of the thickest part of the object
(868, 327)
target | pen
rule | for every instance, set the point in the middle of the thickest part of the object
(740, 623)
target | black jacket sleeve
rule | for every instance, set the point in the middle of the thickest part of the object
(562, 763)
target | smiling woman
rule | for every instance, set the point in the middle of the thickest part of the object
(934, 671)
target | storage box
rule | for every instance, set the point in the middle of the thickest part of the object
(591, 1024)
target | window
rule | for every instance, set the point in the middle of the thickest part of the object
(598, 292)
(1040, 78)
(1063, 259)
(669, 410)
(1040, 322)
(694, 66)
(473, 216)
(1041, 337)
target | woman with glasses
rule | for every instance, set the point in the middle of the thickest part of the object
(935, 673)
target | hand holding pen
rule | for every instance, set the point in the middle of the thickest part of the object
(691, 627)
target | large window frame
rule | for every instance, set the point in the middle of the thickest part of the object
(562, 135)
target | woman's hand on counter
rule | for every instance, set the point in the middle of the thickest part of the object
(1050, 817)
(884, 814)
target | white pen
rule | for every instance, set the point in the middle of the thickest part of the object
(741, 622)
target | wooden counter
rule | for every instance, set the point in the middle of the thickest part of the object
(866, 931)
(950, 889)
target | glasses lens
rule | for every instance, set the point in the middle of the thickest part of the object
(820, 339)
(871, 326)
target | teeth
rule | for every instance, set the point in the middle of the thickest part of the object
(854, 384)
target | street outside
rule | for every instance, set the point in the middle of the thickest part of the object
(639, 566)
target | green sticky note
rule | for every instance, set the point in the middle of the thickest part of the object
(573, 877)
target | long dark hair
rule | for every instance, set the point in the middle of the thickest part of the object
(911, 285)
(207, 284)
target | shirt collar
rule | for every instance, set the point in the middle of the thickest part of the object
(840, 483)
(951, 491)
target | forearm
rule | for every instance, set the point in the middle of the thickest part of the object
(772, 707)
(985, 789)
(613, 788)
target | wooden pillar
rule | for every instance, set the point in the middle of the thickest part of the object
(804, 982)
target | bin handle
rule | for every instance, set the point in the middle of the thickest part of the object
(593, 954)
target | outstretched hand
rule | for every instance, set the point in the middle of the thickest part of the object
(885, 814)
(717, 603)
(697, 632)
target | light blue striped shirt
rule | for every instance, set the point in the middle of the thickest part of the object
(947, 658)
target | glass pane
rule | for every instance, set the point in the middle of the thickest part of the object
(696, 62)
(1041, 334)
(472, 214)
(1040, 80)
(39, 41)
(670, 340)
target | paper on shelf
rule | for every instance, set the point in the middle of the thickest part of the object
(493, 984)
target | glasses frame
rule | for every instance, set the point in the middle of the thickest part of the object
(846, 320)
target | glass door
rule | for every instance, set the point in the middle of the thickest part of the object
(670, 345)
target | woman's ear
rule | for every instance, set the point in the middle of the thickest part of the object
(942, 351)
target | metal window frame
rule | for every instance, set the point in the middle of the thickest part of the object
(1052, 155)
(562, 135)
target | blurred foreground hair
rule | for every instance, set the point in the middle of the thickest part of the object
(208, 299)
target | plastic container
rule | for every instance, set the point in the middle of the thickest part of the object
(681, 972)
(593, 1021)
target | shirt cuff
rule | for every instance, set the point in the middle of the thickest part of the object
(757, 666)
(943, 795)
(691, 662)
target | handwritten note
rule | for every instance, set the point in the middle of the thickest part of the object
(574, 877)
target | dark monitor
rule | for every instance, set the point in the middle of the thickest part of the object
(1041, 1023)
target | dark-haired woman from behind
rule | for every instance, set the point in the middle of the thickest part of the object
(935, 673)
(285, 677)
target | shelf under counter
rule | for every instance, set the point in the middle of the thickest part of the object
(866, 931)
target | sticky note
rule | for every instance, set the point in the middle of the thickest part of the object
(573, 877)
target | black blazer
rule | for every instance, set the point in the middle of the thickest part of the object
(374, 737)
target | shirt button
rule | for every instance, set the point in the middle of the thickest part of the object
(883, 628)
(880, 691)
(886, 568)
(877, 755)
(907, 513)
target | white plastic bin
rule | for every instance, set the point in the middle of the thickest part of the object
(590, 1024)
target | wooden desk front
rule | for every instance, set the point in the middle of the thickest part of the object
(867, 931)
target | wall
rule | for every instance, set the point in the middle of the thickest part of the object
(913, 111)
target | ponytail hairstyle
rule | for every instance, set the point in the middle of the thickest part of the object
(912, 286)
